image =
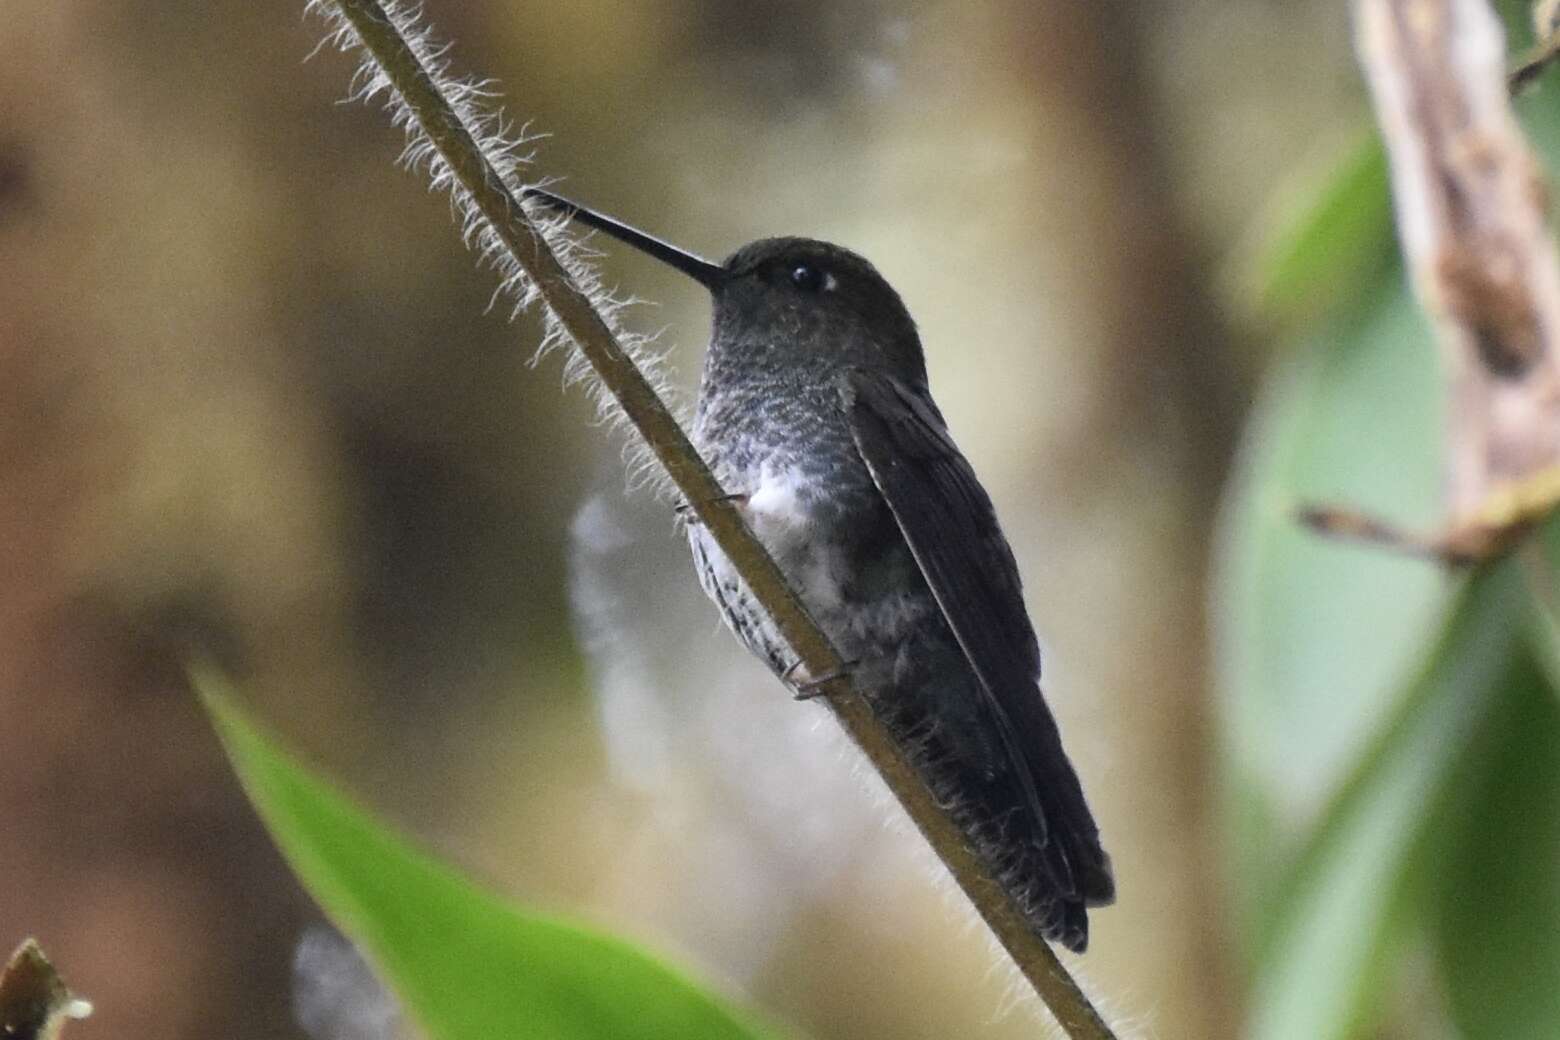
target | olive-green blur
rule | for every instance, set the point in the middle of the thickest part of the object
(255, 404)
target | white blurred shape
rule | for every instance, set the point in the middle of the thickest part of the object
(336, 995)
(879, 75)
(632, 717)
(754, 805)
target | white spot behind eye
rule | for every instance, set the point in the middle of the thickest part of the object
(830, 283)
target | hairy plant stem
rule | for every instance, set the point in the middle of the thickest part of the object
(672, 449)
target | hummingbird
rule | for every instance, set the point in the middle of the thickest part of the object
(815, 413)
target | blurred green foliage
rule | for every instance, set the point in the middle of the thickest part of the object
(1427, 706)
(467, 965)
(1336, 240)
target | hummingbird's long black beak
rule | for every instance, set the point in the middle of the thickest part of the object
(703, 271)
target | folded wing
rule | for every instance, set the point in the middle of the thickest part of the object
(948, 521)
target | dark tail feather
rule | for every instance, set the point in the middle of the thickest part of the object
(1066, 840)
(1054, 869)
(1018, 802)
(1050, 862)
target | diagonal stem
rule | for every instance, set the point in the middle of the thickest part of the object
(492, 198)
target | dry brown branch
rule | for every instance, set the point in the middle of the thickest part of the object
(1470, 202)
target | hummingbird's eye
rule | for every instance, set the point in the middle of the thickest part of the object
(808, 278)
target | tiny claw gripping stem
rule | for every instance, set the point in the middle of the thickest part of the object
(686, 512)
(807, 689)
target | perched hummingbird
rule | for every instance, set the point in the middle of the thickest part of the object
(814, 412)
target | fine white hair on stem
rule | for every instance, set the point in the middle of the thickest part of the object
(507, 151)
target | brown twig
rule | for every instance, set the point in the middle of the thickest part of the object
(1505, 517)
(1470, 203)
(493, 201)
(1532, 65)
(1546, 31)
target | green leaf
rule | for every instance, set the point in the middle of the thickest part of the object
(1314, 637)
(1544, 584)
(1343, 907)
(1495, 906)
(1321, 250)
(467, 965)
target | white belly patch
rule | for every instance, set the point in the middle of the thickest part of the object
(777, 508)
(780, 511)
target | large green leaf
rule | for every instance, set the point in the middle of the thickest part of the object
(1544, 584)
(467, 965)
(1341, 907)
(1315, 637)
(1495, 902)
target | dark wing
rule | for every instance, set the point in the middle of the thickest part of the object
(950, 525)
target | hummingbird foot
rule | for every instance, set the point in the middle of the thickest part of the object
(686, 514)
(807, 689)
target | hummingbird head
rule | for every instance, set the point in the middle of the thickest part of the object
(816, 302)
(796, 302)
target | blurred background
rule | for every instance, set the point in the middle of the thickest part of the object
(253, 398)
